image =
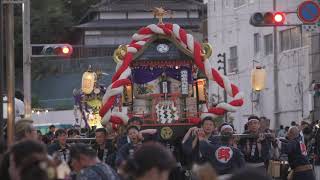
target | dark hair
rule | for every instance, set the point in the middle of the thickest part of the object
(207, 119)
(37, 167)
(73, 132)
(137, 119)
(84, 130)
(52, 126)
(18, 94)
(304, 123)
(281, 126)
(253, 117)
(70, 132)
(250, 174)
(263, 118)
(150, 155)
(132, 127)
(293, 123)
(246, 126)
(307, 130)
(103, 130)
(59, 132)
(26, 147)
(81, 149)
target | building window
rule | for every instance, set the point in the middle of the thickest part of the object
(238, 3)
(233, 61)
(290, 39)
(268, 44)
(256, 42)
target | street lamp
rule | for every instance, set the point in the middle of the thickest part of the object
(258, 78)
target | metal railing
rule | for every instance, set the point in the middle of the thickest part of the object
(86, 51)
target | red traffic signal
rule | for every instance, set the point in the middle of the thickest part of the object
(57, 50)
(279, 17)
(260, 19)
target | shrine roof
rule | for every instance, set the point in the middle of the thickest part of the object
(188, 23)
(138, 5)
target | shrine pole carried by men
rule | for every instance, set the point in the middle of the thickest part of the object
(256, 149)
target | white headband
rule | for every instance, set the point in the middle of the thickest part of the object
(226, 126)
(253, 120)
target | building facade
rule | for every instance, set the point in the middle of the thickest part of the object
(102, 29)
(113, 22)
(247, 46)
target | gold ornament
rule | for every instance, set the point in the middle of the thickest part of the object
(159, 12)
(206, 50)
(166, 133)
(119, 53)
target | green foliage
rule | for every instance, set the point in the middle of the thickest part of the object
(50, 21)
(79, 7)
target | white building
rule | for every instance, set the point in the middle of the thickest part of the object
(229, 31)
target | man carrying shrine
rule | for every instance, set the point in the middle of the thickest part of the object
(190, 142)
(296, 150)
(104, 148)
(257, 147)
(223, 157)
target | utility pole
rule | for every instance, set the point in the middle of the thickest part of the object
(224, 64)
(275, 72)
(26, 57)
(9, 34)
(1, 73)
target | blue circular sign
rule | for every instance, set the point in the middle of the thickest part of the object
(309, 12)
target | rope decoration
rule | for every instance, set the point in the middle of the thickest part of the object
(123, 71)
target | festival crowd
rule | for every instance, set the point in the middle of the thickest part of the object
(132, 152)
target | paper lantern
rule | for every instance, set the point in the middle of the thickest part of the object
(201, 88)
(127, 95)
(258, 78)
(88, 80)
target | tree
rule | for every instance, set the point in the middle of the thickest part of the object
(50, 21)
(79, 7)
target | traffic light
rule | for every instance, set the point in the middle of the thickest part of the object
(223, 62)
(57, 50)
(261, 19)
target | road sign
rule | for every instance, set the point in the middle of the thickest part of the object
(308, 12)
(311, 28)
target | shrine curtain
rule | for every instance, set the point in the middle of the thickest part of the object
(145, 75)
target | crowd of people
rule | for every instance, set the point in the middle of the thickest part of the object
(205, 152)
